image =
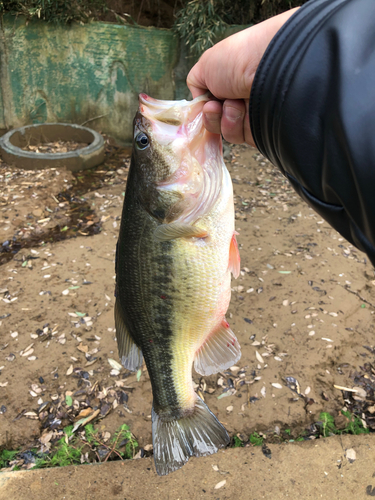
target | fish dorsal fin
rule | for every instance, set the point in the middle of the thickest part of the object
(234, 257)
(130, 355)
(174, 230)
(220, 351)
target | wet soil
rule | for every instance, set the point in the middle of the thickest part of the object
(302, 307)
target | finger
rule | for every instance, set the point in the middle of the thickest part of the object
(212, 112)
(232, 121)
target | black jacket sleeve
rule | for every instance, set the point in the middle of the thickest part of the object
(312, 112)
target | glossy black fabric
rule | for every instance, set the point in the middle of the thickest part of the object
(312, 112)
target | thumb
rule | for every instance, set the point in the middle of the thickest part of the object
(196, 80)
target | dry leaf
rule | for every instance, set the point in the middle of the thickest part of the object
(46, 437)
(220, 485)
(276, 385)
(84, 421)
(28, 353)
(91, 362)
(82, 348)
(115, 365)
(259, 357)
(84, 413)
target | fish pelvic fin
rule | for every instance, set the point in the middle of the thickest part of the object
(234, 257)
(174, 230)
(129, 353)
(220, 351)
(175, 441)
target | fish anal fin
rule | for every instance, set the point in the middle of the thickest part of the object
(174, 230)
(234, 257)
(220, 351)
(129, 353)
(175, 440)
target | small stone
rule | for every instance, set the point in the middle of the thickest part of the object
(350, 455)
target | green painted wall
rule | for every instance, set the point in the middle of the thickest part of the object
(77, 73)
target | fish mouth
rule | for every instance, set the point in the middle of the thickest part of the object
(175, 113)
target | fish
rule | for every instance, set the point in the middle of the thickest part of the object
(175, 254)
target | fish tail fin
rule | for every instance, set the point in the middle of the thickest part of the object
(197, 434)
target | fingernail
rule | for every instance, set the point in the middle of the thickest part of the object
(233, 114)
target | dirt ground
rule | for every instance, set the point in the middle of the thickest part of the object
(311, 470)
(303, 307)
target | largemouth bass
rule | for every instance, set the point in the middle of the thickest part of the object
(175, 254)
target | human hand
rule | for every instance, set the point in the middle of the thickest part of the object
(227, 70)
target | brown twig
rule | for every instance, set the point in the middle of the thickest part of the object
(113, 448)
(347, 288)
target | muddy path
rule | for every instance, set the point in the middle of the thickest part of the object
(302, 307)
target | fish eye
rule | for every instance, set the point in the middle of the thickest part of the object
(142, 141)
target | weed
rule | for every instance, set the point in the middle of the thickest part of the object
(64, 453)
(6, 456)
(327, 425)
(237, 443)
(256, 439)
(58, 11)
(355, 425)
(199, 23)
(73, 449)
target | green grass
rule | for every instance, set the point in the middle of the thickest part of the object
(64, 453)
(69, 449)
(237, 442)
(256, 439)
(328, 427)
(7, 456)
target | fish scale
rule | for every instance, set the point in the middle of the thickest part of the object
(173, 277)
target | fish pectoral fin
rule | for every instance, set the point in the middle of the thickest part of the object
(129, 353)
(220, 351)
(234, 257)
(175, 440)
(174, 230)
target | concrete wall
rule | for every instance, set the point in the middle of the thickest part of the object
(88, 74)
